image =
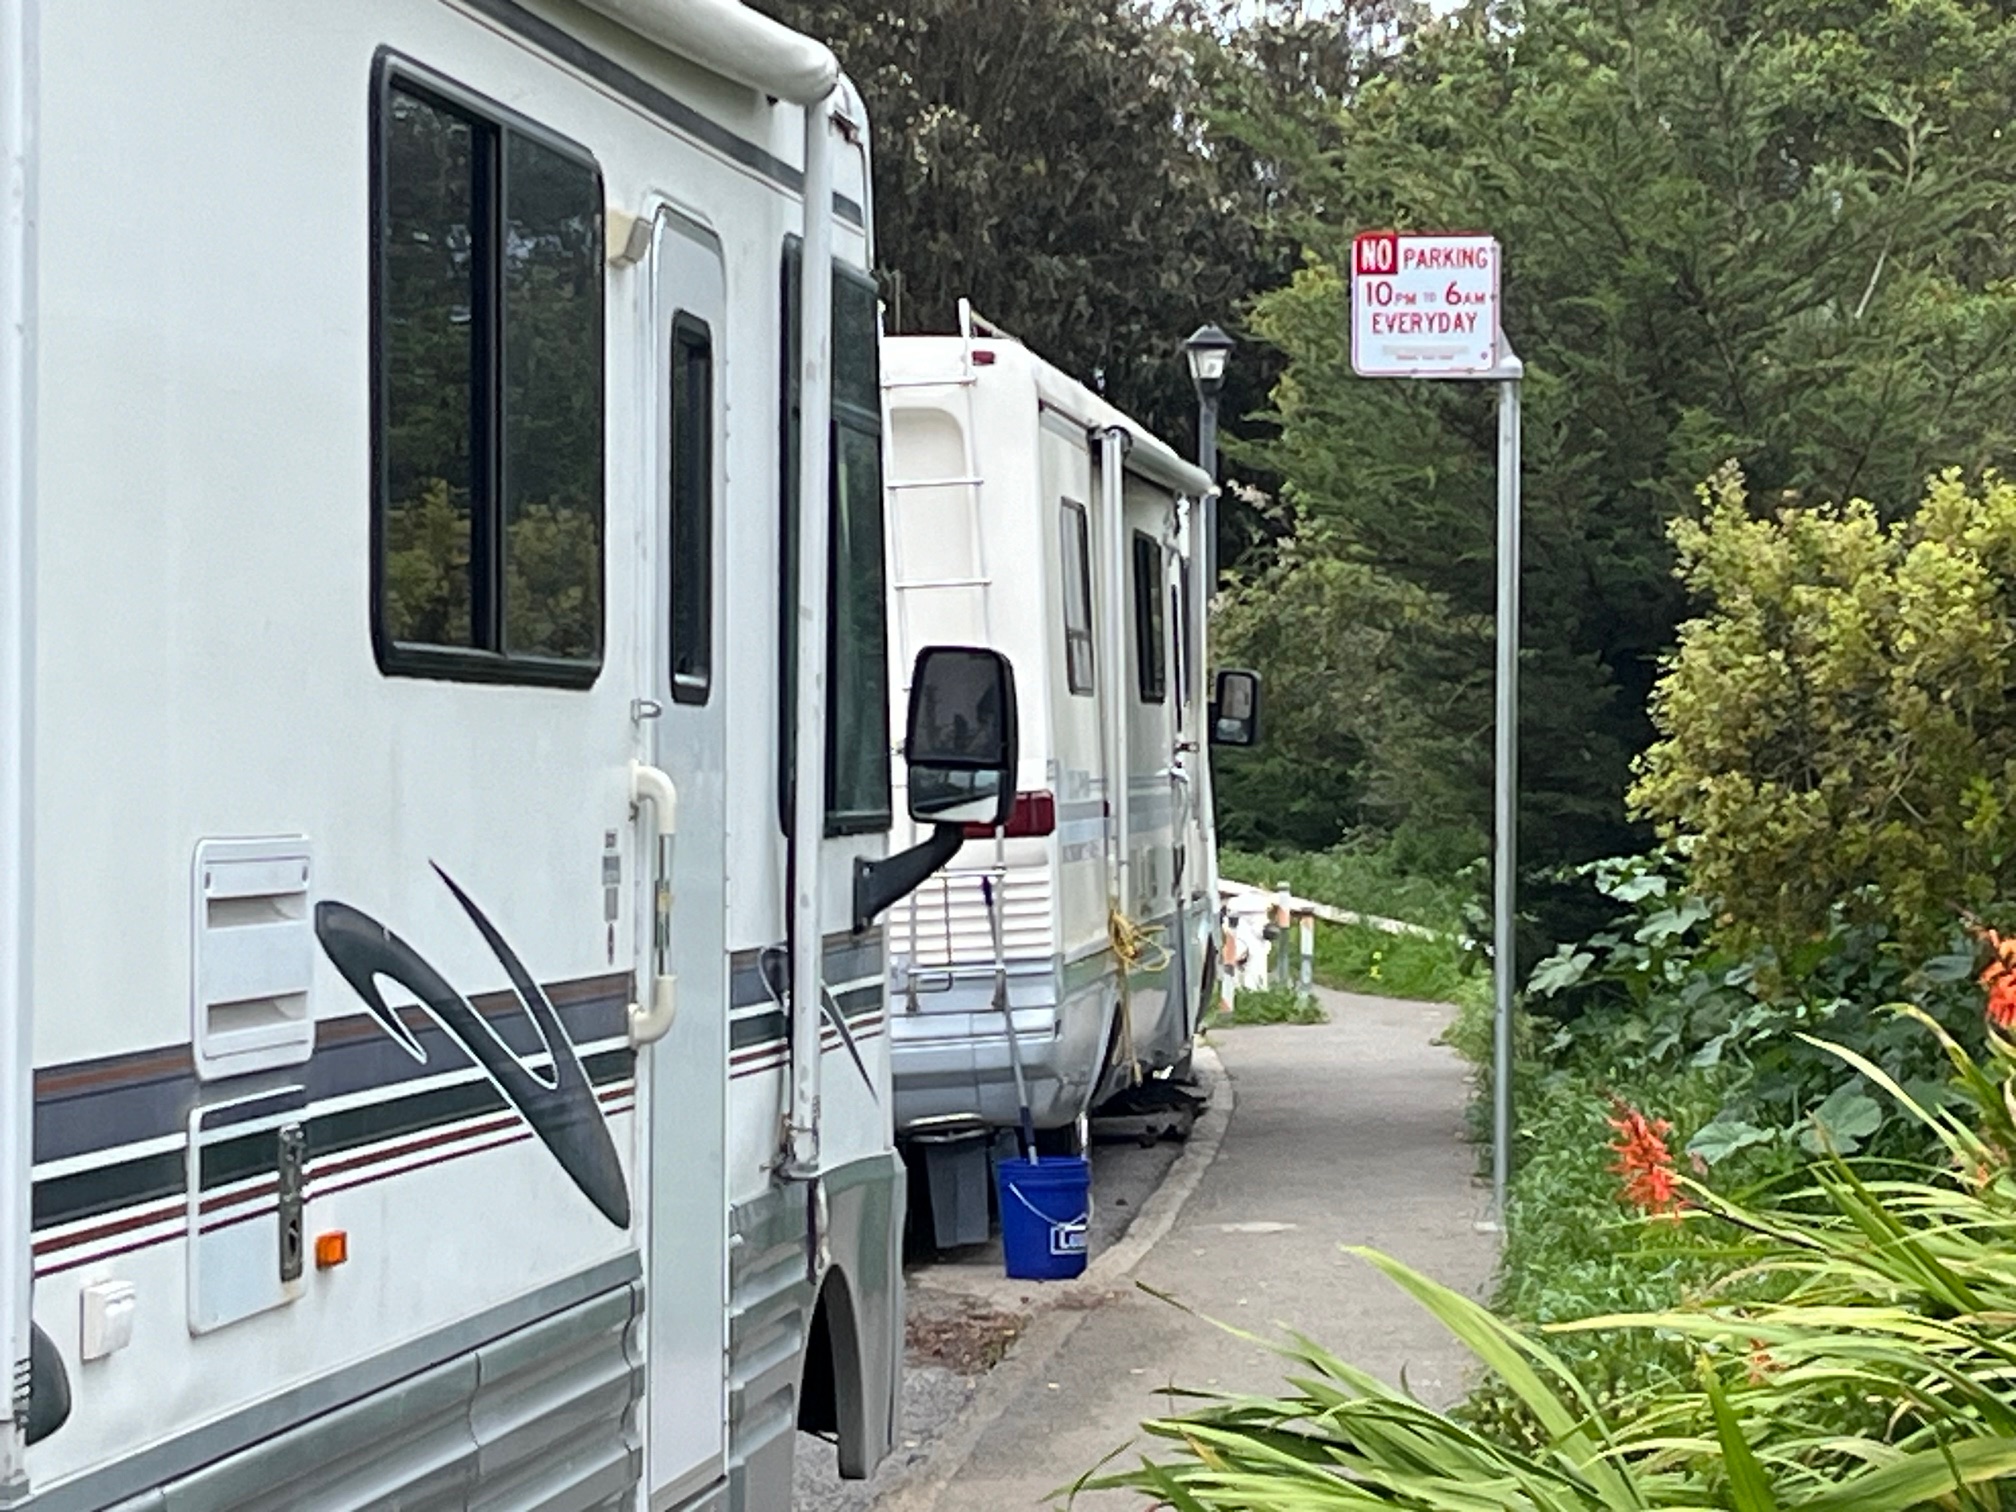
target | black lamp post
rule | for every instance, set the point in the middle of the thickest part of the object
(1208, 351)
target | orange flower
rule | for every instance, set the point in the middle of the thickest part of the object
(1643, 1160)
(1999, 979)
(1762, 1363)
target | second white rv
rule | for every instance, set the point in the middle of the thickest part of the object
(1027, 513)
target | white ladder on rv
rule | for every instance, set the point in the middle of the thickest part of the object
(969, 483)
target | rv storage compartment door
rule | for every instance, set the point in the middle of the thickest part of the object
(252, 955)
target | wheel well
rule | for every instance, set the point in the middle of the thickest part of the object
(818, 1409)
(830, 1382)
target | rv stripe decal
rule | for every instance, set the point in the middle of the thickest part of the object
(165, 1219)
(109, 1188)
(121, 1100)
(95, 1111)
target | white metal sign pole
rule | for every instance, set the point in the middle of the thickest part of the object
(1505, 766)
(1427, 306)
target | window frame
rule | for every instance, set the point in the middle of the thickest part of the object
(1075, 522)
(1151, 651)
(691, 335)
(483, 663)
(837, 822)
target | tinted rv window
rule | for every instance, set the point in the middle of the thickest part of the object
(857, 644)
(692, 628)
(487, 372)
(1077, 600)
(1150, 653)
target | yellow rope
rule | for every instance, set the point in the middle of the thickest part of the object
(1136, 947)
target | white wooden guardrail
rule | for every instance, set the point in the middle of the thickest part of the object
(1257, 954)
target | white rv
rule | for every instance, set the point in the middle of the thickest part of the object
(1029, 514)
(444, 1063)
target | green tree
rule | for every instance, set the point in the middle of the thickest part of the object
(1766, 229)
(1031, 157)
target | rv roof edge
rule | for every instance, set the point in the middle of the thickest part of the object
(735, 42)
(1155, 462)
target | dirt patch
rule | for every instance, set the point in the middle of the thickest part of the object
(955, 1334)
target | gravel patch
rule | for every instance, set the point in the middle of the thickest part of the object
(932, 1397)
(954, 1339)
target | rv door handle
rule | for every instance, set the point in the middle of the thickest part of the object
(652, 1020)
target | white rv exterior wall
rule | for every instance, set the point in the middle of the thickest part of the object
(983, 564)
(204, 668)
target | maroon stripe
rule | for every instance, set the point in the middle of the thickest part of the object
(237, 1218)
(163, 1213)
(372, 1177)
(124, 1249)
(159, 1213)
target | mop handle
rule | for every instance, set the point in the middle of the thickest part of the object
(1008, 1018)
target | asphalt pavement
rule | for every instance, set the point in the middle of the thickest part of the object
(1348, 1132)
(962, 1314)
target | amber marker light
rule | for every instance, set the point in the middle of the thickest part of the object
(331, 1249)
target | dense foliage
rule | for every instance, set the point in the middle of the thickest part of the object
(1860, 1364)
(1838, 736)
(1770, 231)
(1039, 159)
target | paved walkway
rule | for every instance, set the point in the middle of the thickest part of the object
(1344, 1133)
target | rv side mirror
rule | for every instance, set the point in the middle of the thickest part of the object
(959, 738)
(1235, 708)
(960, 741)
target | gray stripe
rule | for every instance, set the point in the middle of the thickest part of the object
(677, 113)
(424, 1364)
(352, 1054)
(87, 1106)
(845, 959)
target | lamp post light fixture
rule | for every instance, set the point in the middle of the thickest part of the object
(1209, 352)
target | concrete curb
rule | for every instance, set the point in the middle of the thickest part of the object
(1058, 1310)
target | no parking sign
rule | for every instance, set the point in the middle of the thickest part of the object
(1424, 306)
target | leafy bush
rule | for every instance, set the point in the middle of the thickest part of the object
(1656, 992)
(1867, 1369)
(1838, 733)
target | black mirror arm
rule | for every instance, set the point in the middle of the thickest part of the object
(877, 884)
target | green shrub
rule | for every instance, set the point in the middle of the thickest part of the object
(1838, 733)
(1573, 1248)
(1657, 993)
(1365, 958)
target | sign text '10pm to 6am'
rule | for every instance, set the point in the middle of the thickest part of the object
(1423, 306)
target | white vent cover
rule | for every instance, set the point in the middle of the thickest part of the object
(252, 955)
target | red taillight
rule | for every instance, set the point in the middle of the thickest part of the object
(1033, 814)
(983, 358)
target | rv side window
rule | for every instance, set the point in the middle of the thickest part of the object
(1077, 599)
(692, 627)
(487, 378)
(1150, 653)
(857, 645)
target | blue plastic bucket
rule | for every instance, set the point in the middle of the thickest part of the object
(1046, 1212)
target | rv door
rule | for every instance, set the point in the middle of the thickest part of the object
(683, 931)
